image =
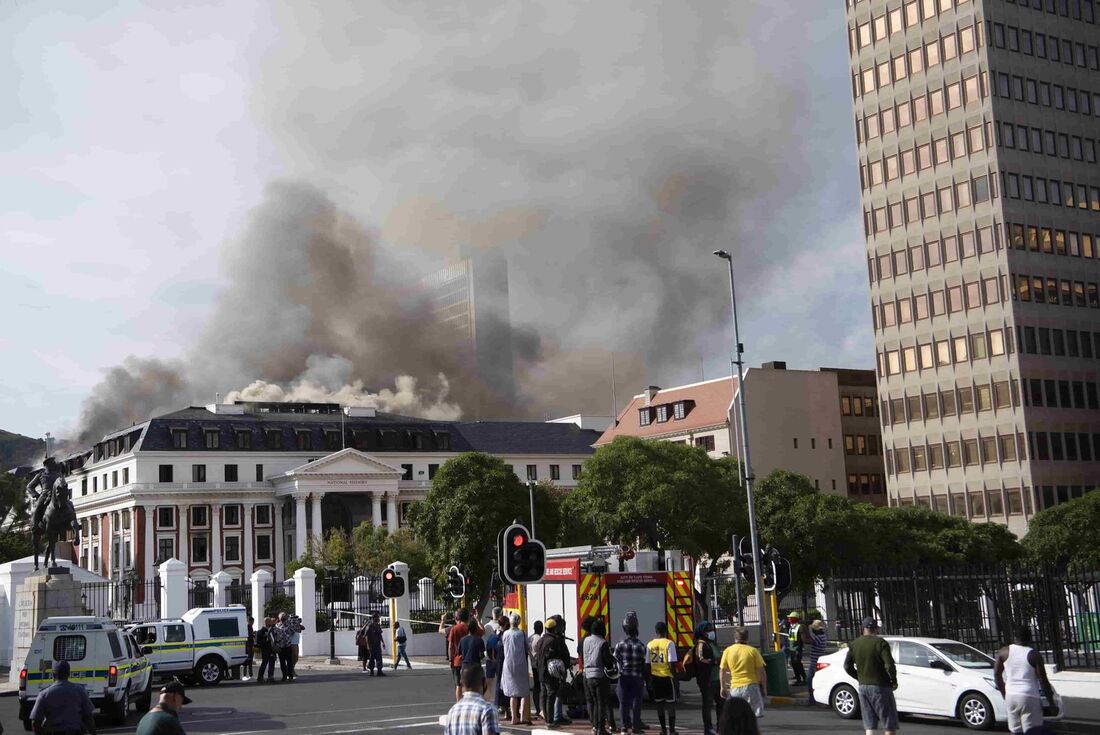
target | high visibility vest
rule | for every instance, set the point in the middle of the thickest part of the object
(792, 634)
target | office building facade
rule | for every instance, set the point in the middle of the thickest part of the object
(978, 131)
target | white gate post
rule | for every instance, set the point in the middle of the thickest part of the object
(218, 583)
(305, 607)
(173, 588)
(260, 580)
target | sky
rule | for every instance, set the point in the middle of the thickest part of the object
(160, 160)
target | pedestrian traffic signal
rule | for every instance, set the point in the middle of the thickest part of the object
(523, 558)
(393, 585)
(456, 583)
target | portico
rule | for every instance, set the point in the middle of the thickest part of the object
(348, 476)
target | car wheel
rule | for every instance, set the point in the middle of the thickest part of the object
(845, 702)
(143, 703)
(976, 712)
(119, 709)
(209, 671)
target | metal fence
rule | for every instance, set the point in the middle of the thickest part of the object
(350, 601)
(199, 594)
(427, 605)
(126, 600)
(239, 594)
(977, 604)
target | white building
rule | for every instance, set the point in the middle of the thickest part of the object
(241, 487)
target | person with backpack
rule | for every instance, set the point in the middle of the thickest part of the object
(402, 643)
(363, 650)
(597, 659)
(631, 654)
(704, 658)
(266, 643)
(553, 665)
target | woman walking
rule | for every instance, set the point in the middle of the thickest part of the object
(707, 655)
(362, 645)
(513, 677)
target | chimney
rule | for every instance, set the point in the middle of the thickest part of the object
(774, 365)
(357, 412)
(651, 393)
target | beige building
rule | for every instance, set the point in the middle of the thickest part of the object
(795, 424)
(978, 125)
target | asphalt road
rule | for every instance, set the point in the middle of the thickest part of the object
(409, 702)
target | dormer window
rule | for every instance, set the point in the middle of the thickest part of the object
(179, 439)
(662, 414)
(244, 439)
(274, 439)
(305, 441)
(644, 416)
(443, 440)
(332, 439)
(679, 410)
(211, 438)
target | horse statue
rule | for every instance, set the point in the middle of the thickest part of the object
(58, 518)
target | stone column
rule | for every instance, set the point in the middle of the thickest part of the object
(318, 530)
(110, 555)
(246, 540)
(299, 524)
(184, 512)
(260, 579)
(305, 607)
(391, 512)
(215, 537)
(218, 583)
(277, 547)
(150, 542)
(376, 509)
(173, 588)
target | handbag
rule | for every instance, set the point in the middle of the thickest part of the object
(360, 639)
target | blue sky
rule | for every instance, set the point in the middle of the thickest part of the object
(606, 148)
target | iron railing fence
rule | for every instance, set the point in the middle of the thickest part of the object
(199, 594)
(239, 594)
(350, 601)
(131, 601)
(978, 604)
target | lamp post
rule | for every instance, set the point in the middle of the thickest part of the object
(737, 363)
(329, 572)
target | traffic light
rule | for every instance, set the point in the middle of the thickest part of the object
(456, 583)
(782, 575)
(743, 558)
(523, 558)
(393, 585)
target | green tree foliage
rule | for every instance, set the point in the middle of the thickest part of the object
(473, 497)
(13, 497)
(14, 545)
(1067, 534)
(667, 495)
(374, 549)
(819, 532)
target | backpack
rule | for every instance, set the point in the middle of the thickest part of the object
(401, 635)
(688, 666)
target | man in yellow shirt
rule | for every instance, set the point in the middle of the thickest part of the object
(742, 672)
(660, 656)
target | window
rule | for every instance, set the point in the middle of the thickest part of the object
(244, 439)
(406, 472)
(198, 473)
(274, 439)
(164, 473)
(263, 515)
(166, 517)
(179, 438)
(644, 416)
(305, 441)
(232, 515)
(166, 549)
(576, 472)
(532, 472)
(706, 442)
(199, 518)
(232, 549)
(555, 472)
(263, 547)
(432, 470)
(174, 634)
(679, 410)
(199, 549)
(224, 628)
(662, 414)
(231, 473)
(259, 473)
(70, 647)
(211, 438)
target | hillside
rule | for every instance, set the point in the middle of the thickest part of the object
(16, 449)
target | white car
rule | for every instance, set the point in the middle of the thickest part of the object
(935, 677)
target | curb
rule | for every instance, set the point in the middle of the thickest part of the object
(1075, 726)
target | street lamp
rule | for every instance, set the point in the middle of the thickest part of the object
(737, 362)
(329, 572)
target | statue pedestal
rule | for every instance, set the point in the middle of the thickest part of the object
(42, 595)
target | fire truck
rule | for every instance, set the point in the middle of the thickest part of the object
(578, 584)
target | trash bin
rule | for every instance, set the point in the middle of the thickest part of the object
(775, 666)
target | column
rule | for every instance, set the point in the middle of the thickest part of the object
(391, 511)
(259, 580)
(184, 512)
(150, 542)
(173, 590)
(305, 607)
(246, 541)
(110, 554)
(218, 583)
(299, 524)
(318, 530)
(215, 537)
(277, 518)
(376, 509)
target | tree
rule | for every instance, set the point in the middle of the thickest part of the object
(14, 545)
(375, 548)
(667, 495)
(1066, 534)
(473, 497)
(13, 497)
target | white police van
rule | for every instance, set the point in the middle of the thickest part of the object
(104, 659)
(203, 644)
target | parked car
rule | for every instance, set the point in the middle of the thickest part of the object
(203, 644)
(935, 677)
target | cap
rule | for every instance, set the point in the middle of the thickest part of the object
(174, 687)
(550, 624)
(61, 670)
(793, 614)
(817, 625)
(869, 622)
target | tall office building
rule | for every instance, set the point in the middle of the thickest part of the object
(978, 124)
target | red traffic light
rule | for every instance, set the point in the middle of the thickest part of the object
(388, 574)
(519, 540)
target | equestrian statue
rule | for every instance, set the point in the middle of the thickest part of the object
(54, 514)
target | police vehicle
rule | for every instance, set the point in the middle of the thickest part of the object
(203, 644)
(106, 660)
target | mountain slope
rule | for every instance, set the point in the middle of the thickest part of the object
(16, 449)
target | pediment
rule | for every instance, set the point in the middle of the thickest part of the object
(346, 462)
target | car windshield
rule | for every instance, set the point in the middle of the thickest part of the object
(963, 655)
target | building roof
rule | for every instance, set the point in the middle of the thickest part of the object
(707, 405)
